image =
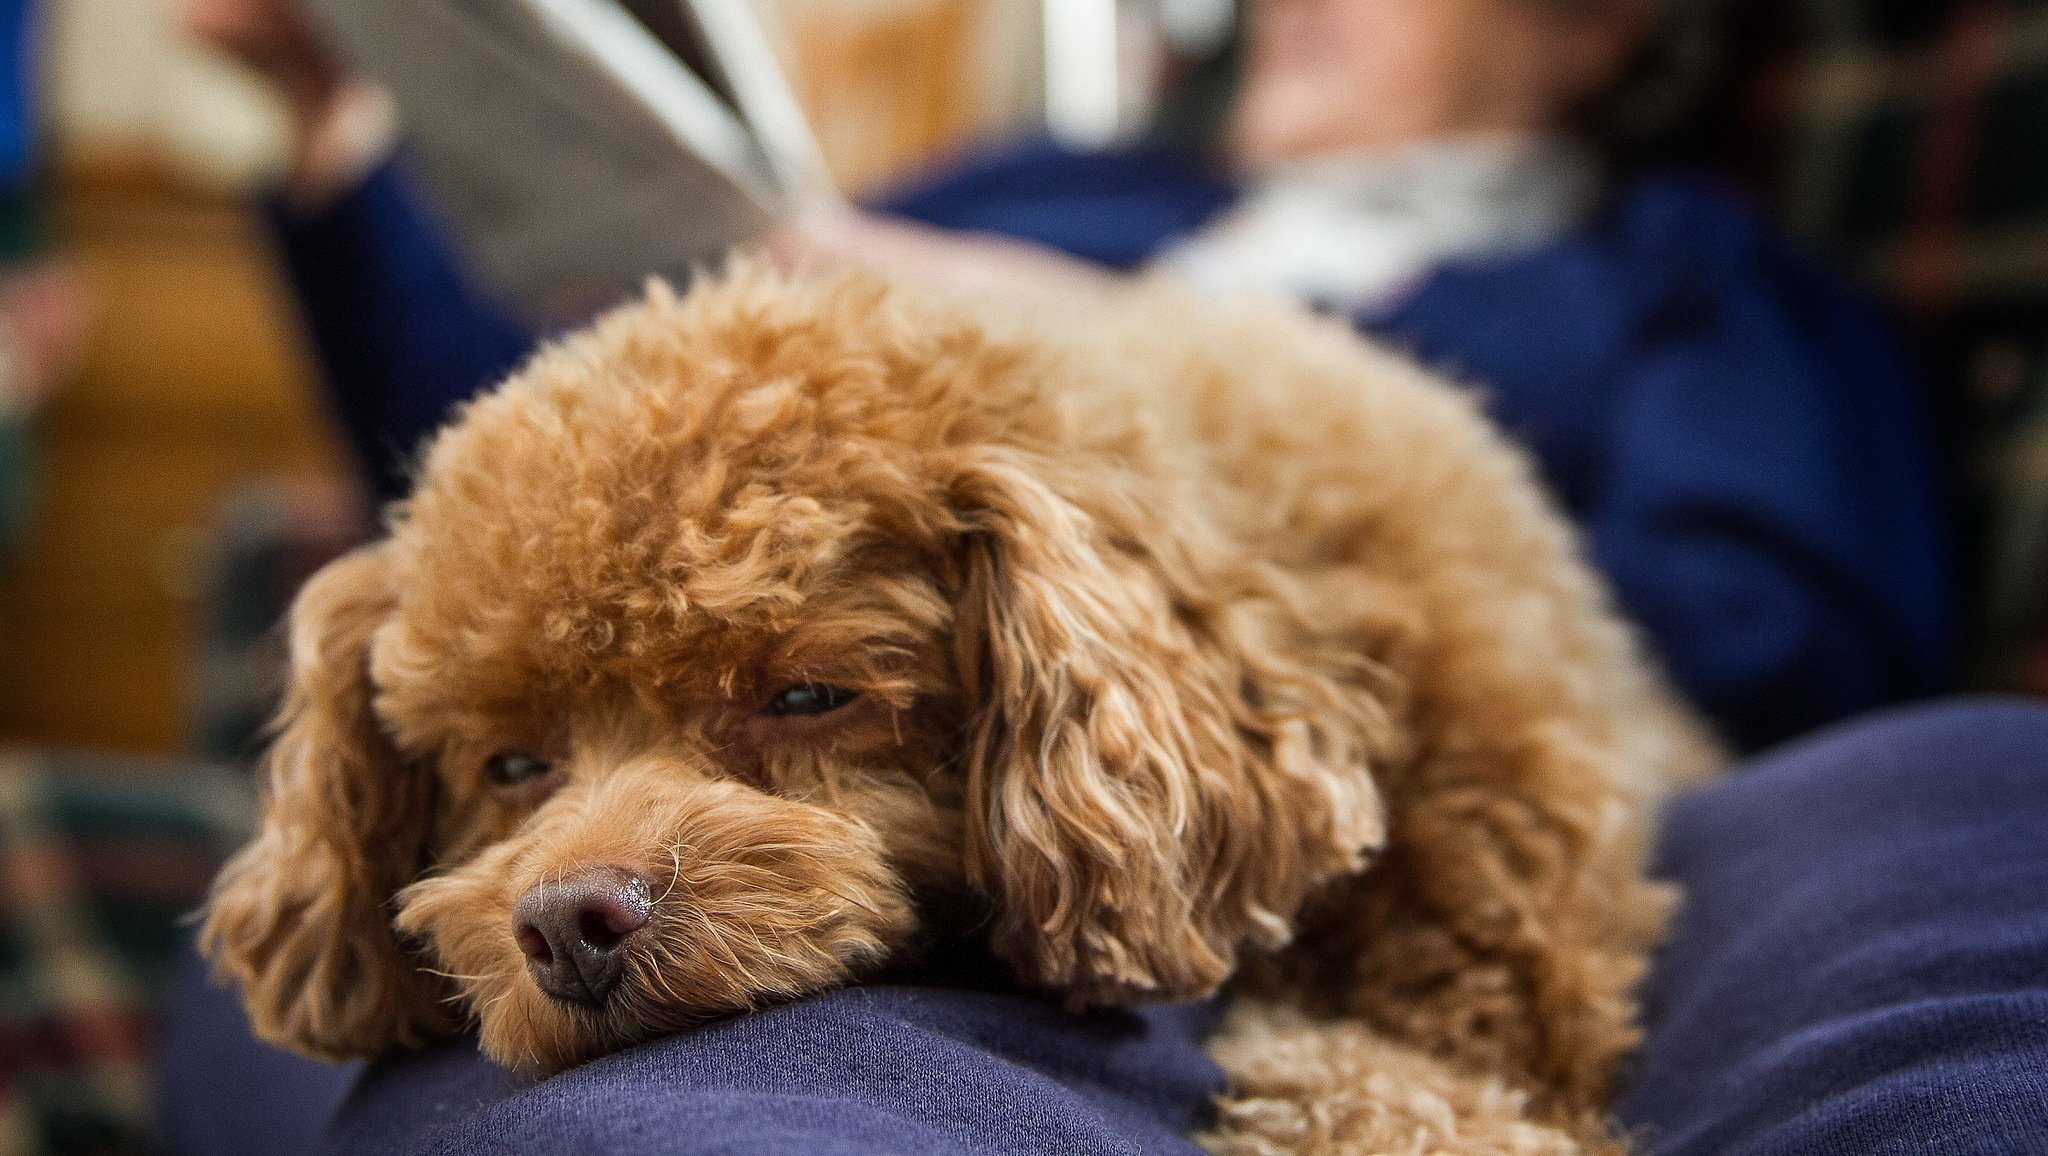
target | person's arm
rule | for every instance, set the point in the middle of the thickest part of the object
(1767, 507)
(1739, 440)
(401, 331)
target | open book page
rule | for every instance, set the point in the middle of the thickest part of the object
(576, 147)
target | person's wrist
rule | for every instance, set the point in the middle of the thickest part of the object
(340, 139)
(309, 88)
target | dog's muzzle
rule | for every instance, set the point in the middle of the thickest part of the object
(574, 931)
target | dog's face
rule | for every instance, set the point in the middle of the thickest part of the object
(737, 643)
(675, 781)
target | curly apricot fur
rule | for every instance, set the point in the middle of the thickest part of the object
(1193, 646)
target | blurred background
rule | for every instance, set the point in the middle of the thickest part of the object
(170, 469)
(182, 390)
(1903, 137)
(183, 379)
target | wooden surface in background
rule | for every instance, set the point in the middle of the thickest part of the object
(191, 383)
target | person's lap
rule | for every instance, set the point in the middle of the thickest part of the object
(1862, 962)
(1861, 966)
(855, 1072)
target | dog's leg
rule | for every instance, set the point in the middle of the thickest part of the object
(1304, 1087)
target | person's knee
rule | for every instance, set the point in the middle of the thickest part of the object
(1948, 725)
(1932, 764)
(1859, 940)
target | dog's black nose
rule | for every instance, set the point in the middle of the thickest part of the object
(573, 931)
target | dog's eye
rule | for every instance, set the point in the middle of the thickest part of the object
(809, 698)
(512, 768)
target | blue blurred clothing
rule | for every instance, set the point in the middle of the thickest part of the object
(1732, 427)
(20, 113)
(401, 331)
(20, 118)
(1738, 436)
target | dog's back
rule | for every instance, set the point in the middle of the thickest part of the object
(1509, 918)
(1350, 466)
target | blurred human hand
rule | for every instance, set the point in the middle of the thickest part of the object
(271, 39)
(342, 125)
(979, 263)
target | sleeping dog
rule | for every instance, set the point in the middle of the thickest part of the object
(747, 642)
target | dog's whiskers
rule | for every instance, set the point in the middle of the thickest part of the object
(675, 858)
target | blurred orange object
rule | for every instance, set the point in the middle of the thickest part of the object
(891, 86)
(190, 382)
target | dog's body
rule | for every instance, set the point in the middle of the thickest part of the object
(801, 621)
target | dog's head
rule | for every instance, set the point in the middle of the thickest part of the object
(737, 641)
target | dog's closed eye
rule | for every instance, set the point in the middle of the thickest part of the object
(513, 768)
(810, 698)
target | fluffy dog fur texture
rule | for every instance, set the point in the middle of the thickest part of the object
(1193, 647)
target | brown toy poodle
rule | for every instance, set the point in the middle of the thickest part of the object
(746, 641)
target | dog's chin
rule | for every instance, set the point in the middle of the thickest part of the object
(754, 901)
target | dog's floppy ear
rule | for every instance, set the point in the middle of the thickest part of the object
(1154, 778)
(300, 917)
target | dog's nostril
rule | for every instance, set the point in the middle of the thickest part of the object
(534, 943)
(571, 931)
(596, 927)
